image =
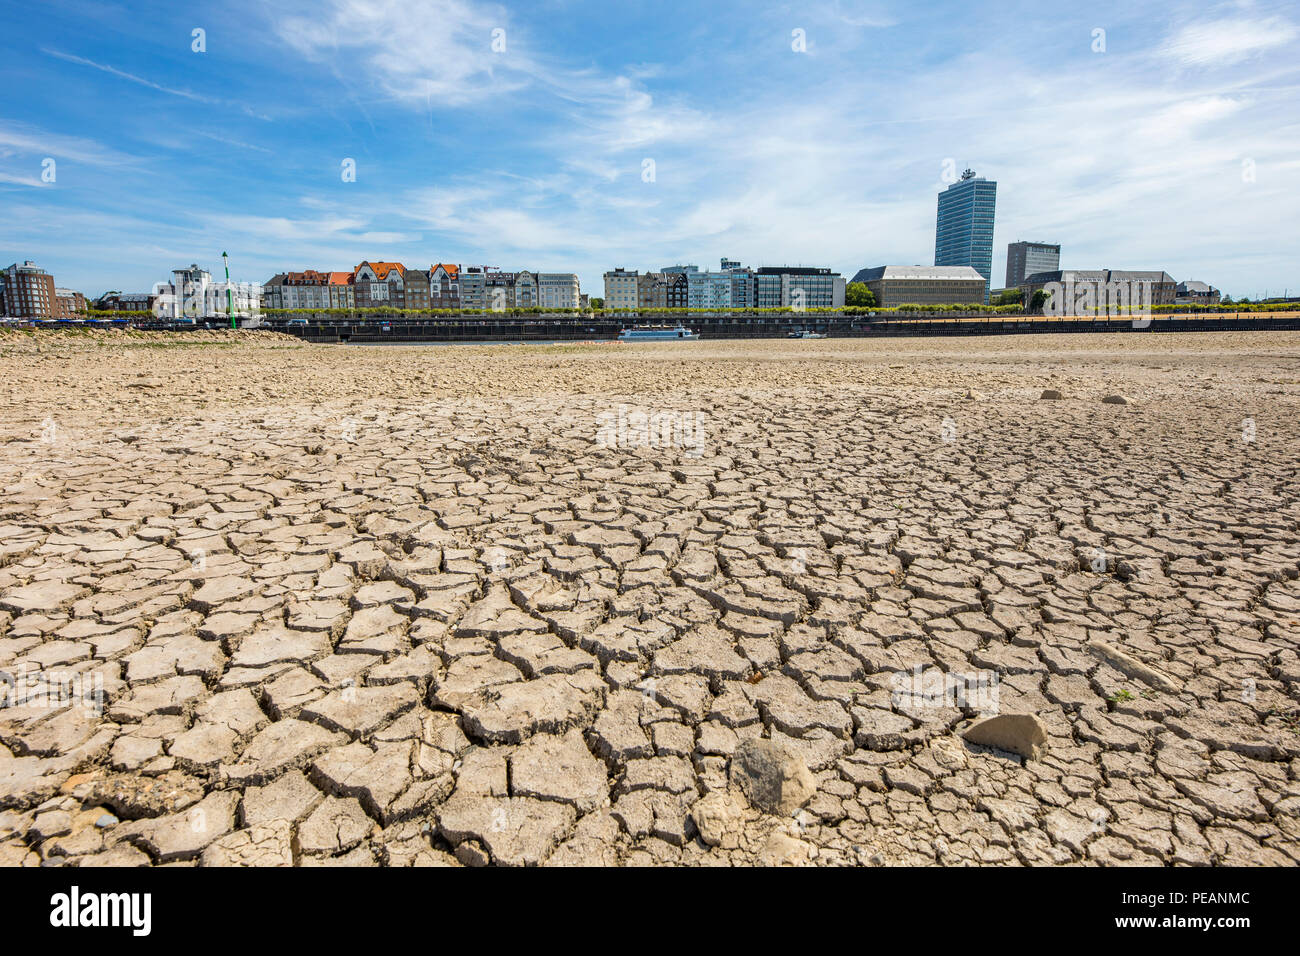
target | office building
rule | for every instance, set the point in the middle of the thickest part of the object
(798, 287)
(1089, 291)
(923, 285)
(1028, 258)
(964, 226)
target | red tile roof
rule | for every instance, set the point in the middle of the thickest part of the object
(382, 268)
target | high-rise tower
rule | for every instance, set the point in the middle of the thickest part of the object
(963, 233)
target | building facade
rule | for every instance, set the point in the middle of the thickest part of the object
(192, 295)
(1102, 291)
(417, 289)
(444, 286)
(297, 290)
(621, 289)
(133, 302)
(68, 303)
(306, 290)
(798, 287)
(380, 285)
(342, 290)
(924, 285)
(695, 283)
(963, 233)
(678, 290)
(652, 290)
(558, 290)
(499, 289)
(525, 290)
(29, 292)
(273, 291)
(1027, 258)
(473, 288)
(1192, 292)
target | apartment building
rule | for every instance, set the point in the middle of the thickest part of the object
(444, 286)
(417, 289)
(652, 290)
(473, 288)
(525, 290)
(306, 290)
(28, 292)
(68, 303)
(621, 289)
(380, 285)
(558, 290)
(498, 289)
(342, 290)
(678, 290)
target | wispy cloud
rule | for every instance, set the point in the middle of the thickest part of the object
(18, 179)
(28, 140)
(1223, 42)
(131, 77)
(863, 13)
(412, 49)
(231, 142)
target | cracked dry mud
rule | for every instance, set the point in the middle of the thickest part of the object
(403, 606)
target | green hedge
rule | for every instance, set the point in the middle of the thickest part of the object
(1234, 307)
(614, 313)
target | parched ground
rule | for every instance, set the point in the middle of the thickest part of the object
(269, 603)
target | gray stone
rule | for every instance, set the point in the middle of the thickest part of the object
(773, 779)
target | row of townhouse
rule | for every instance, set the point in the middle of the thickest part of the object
(733, 286)
(445, 285)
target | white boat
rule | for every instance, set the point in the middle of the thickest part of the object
(806, 334)
(656, 333)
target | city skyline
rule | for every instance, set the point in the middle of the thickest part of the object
(774, 136)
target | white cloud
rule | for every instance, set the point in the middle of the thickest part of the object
(18, 179)
(24, 139)
(1226, 41)
(414, 50)
(863, 13)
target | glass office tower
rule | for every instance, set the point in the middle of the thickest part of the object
(964, 229)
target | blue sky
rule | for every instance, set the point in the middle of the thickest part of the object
(1177, 147)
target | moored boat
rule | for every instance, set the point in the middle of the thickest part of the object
(656, 333)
